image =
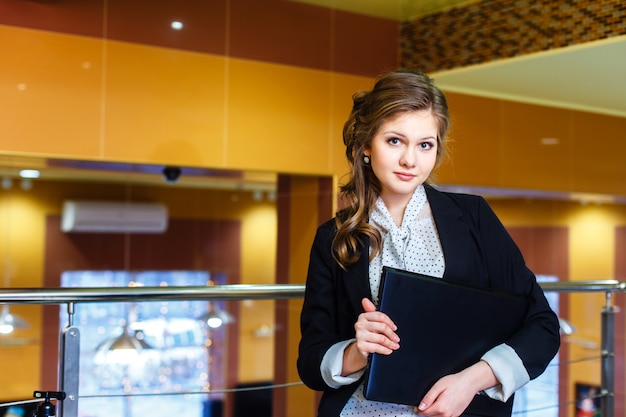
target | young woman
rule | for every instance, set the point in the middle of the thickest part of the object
(395, 136)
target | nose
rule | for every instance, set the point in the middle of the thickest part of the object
(408, 158)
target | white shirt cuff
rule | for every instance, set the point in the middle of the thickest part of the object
(508, 368)
(332, 365)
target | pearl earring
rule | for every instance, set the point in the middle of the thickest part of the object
(366, 159)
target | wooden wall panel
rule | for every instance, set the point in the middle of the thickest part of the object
(277, 31)
(364, 45)
(148, 22)
(598, 153)
(475, 145)
(164, 106)
(523, 159)
(545, 249)
(51, 93)
(85, 18)
(284, 32)
(279, 118)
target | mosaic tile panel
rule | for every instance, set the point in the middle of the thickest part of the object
(488, 30)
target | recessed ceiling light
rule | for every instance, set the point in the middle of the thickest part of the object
(550, 141)
(176, 25)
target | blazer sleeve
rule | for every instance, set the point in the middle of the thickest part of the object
(538, 341)
(318, 318)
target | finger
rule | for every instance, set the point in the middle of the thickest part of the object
(367, 348)
(430, 398)
(367, 343)
(368, 306)
(378, 316)
(371, 342)
(376, 329)
(375, 332)
(375, 337)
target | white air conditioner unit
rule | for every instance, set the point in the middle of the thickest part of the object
(113, 217)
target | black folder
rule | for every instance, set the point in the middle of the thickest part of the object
(444, 327)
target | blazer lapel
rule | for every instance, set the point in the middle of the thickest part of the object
(453, 233)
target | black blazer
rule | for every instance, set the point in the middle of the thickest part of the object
(477, 249)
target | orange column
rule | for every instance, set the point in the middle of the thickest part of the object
(304, 202)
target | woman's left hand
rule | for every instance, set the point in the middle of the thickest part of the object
(452, 394)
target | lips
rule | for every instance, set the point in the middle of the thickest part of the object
(404, 176)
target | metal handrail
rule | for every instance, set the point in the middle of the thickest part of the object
(608, 285)
(224, 292)
(121, 294)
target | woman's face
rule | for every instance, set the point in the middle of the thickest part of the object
(403, 153)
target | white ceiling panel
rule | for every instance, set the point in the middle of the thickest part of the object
(589, 77)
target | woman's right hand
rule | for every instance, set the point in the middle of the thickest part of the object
(375, 333)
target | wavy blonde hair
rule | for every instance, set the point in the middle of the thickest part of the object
(393, 93)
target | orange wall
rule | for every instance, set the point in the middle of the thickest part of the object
(498, 143)
(88, 98)
(156, 105)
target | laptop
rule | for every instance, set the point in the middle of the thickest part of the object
(444, 327)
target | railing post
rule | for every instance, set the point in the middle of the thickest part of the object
(69, 367)
(607, 405)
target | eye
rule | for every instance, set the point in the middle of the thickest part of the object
(393, 141)
(427, 145)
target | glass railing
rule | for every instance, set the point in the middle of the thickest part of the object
(128, 351)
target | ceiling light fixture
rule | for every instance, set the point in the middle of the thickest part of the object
(9, 322)
(29, 173)
(217, 317)
(127, 342)
(177, 25)
(125, 348)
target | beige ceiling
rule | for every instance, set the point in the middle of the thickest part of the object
(589, 77)
(389, 9)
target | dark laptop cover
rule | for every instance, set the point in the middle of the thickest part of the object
(444, 327)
